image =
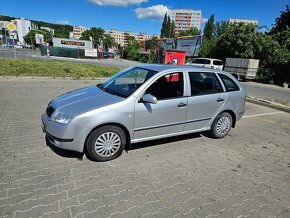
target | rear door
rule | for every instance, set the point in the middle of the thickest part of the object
(206, 99)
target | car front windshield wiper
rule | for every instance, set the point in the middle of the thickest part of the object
(108, 90)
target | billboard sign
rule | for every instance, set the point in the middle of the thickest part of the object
(190, 45)
(39, 39)
(71, 43)
(91, 52)
(169, 43)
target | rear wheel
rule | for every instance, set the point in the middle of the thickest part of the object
(221, 125)
(106, 143)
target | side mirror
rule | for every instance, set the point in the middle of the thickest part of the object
(149, 99)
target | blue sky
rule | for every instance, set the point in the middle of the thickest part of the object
(138, 15)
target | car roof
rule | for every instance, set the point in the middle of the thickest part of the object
(164, 67)
(208, 59)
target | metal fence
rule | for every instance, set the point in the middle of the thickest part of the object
(65, 52)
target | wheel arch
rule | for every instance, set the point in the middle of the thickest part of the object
(233, 115)
(128, 137)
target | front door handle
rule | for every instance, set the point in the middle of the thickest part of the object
(220, 99)
(181, 104)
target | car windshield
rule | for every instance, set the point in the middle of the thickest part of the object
(124, 83)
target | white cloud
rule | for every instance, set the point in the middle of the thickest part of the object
(204, 20)
(117, 2)
(155, 12)
(63, 22)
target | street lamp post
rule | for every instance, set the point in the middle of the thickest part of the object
(15, 57)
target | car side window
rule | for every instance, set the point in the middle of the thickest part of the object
(168, 86)
(230, 85)
(203, 83)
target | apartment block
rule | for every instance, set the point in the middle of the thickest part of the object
(23, 27)
(77, 31)
(244, 21)
(185, 19)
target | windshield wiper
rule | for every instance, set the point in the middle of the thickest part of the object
(108, 90)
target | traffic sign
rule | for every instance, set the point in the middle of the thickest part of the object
(11, 26)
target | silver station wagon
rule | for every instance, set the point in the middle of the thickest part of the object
(141, 103)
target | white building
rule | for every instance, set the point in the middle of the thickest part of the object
(23, 27)
(184, 19)
(51, 31)
(3, 24)
(244, 21)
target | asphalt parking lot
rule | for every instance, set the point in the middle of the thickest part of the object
(246, 174)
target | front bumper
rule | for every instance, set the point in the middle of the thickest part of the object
(61, 136)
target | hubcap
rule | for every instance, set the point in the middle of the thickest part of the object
(223, 125)
(107, 144)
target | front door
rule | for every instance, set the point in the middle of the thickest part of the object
(167, 116)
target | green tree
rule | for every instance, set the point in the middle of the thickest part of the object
(172, 29)
(220, 28)
(168, 27)
(96, 34)
(238, 41)
(209, 28)
(282, 22)
(131, 50)
(30, 37)
(108, 41)
(164, 26)
(193, 31)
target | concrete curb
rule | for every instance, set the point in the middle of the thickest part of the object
(267, 103)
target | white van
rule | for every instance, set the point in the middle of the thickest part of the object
(207, 62)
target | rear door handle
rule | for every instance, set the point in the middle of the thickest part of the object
(220, 99)
(181, 104)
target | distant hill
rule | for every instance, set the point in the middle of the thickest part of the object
(61, 31)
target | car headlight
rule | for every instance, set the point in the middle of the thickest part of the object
(62, 118)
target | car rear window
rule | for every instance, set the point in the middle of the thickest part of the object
(201, 61)
(230, 85)
(218, 63)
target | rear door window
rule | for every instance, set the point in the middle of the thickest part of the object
(218, 63)
(203, 83)
(230, 85)
(200, 61)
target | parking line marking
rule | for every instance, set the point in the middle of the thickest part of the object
(264, 114)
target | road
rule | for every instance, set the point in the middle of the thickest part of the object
(245, 174)
(268, 92)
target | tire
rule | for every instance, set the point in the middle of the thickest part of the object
(105, 143)
(221, 126)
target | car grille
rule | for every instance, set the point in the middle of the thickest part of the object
(49, 110)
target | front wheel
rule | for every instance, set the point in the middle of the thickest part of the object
(106, 143)
(221, 125)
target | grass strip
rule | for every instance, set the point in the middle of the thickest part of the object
(52, 68)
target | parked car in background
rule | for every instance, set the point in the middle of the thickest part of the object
(142, 103)
(107, 55)
(207, 62)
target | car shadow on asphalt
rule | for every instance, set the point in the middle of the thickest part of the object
(140, 145)
(62, 152)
